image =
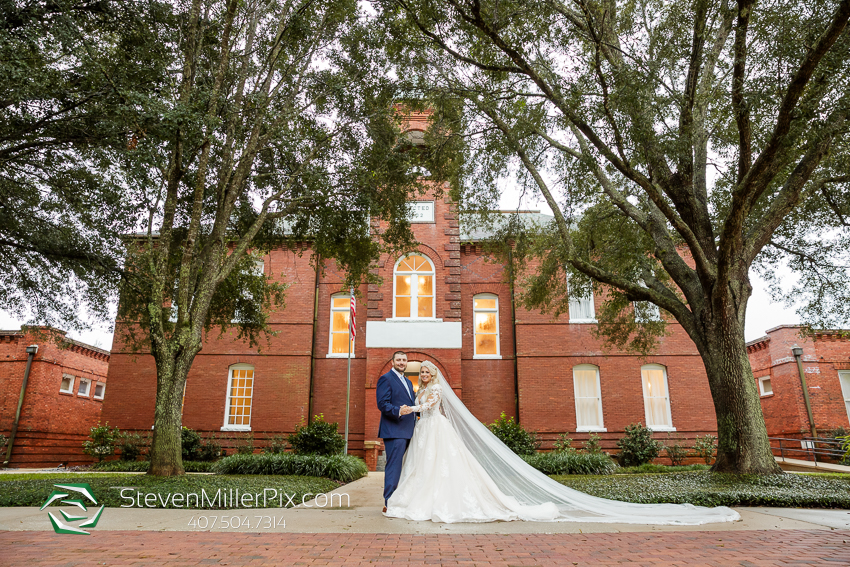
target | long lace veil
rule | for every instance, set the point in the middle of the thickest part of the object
(529, 486)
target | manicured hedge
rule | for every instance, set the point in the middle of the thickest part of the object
(344, 468)
(33, 490)
(571, 462)
(716, 489)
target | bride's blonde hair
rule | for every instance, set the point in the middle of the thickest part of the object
(435, 374)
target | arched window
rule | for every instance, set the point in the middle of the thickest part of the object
(240, 392)
(656, 397)
(340, 315)
(588, 398)
(485, 307)
(413, 285)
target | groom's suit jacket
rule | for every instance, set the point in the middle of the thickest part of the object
(391, 395)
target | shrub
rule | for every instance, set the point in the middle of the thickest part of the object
(3, 441)
(101, 441)
(571, 462)
(317, 438)
(638, 446)
(675, 451)
(592, 445)
(513, 435)
(563, 443)
(191, 441)
(211, 451)
(344, 468)
(246, 447)
(130, 445)
(276, 445)
(704, 447)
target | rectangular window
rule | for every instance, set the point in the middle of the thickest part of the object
(99, 389)
(646, 311)
(486, 316)
(765, 389)
(581, 307)
(67, 385)
(84, 387)
(239, 395)
(588, 398)
(340, 316)
(844, 379)
(258, 269)
(656, 398)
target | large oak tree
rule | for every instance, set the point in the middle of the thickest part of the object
(680, 144)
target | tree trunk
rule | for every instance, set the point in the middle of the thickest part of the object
(742, 443)
(166, 448)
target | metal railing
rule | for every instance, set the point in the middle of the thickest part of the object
(816, 449)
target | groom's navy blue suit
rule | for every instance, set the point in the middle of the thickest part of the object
(395, 430)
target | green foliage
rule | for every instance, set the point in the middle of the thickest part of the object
(705, 447)
(211, 450)
(246, 446)
(25, 490)
(275, 445)
(190, 441)
(512, 434)
(652, 468)
(572, 462)
(130, 445)
(638, 446)
(317, 438)
(563, 443)
(101, 441)
(344, 468)
(143, 466)
(675, 451)
(592, 445)
(716, 489)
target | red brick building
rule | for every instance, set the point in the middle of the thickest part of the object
(825, 360)
(446, 302)
(62, 400)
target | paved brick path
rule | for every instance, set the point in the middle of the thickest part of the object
(693, 549)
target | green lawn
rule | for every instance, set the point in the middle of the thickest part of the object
(33, 489)
(714, 489)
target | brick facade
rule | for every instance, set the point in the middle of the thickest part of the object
(825, 354)
(53, 424)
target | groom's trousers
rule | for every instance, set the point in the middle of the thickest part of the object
(395, 455)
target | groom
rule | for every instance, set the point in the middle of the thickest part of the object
(394, 392)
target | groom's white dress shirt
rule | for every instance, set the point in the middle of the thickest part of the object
(404, 383)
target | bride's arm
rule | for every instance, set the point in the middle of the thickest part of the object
(433, 400)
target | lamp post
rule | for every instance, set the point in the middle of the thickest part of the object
(798, 355)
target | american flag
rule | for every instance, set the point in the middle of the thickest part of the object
(352, 324)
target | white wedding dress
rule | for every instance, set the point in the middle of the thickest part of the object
(456, 470)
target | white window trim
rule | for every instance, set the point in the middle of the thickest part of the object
(73, 383)
(845, 393)
(102, 392)
(761, 380)
(88, 388)
(592, 310)
(598, 389)
(226, 426)
(498, 333)
(432, 273)
(331, 327)
(646, 407)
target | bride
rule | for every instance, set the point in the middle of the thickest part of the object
(456, 470)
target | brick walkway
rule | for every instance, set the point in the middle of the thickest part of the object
(691, 549)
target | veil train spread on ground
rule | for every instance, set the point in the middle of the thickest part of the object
(531, 487)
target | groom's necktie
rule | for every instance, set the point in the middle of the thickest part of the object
(404, 383)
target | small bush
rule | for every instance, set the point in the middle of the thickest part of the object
(317, 438)
(276, 445)
(130, 445)
(592, 445)
(675, 451)
(246, 447)
(563, 443)
(191, 441)
(571, 462)
(638, 446)
(211, 451)
(513, 435)
(705, 446)
(344, 468)
(101, 441)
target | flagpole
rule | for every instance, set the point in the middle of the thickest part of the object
(348, 379)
